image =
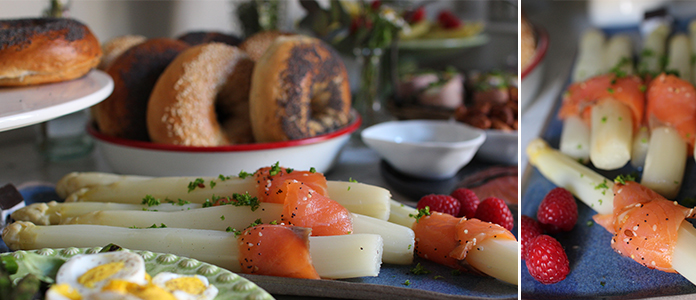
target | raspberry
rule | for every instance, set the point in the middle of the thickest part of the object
(558, 211)
(468, 200)
(417, 15)
(530, 229)
(440, 203)
(495, 211)
(546, 260)
(448, 20)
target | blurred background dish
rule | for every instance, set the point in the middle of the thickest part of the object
(428, 149)
(534, 43)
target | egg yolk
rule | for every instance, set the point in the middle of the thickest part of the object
(190, 285)
(145, 292)
(97, 274)
(66, 290)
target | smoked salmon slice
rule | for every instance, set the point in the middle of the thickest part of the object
(447, 240)
(672, 101)
(270, 180)
(581, 96)
(304, 207)
(276, 250)
(644, 225)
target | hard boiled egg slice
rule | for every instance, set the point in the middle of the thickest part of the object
(186, 287)
(62, 292)
(90, 272)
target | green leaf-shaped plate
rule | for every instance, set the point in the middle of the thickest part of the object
(230, 285)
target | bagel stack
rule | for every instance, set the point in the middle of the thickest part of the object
(213, 94)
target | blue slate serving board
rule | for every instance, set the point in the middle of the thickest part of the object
(596, 271)
(441, 283)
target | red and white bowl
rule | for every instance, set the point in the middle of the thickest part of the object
(152, 159)
(533, 74)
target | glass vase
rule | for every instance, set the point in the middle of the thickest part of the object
(368, 100)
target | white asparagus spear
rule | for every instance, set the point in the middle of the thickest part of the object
(665, 162)
(53, 213)
(341, 256)
(575, 139)
(590, 56)
(496, 258)
(640, 147)
(611, 135)
(618, 54)
(356, 197)
(74, 181)
(679, 57)
(398, 240)
(565, 172)
(401, 214)
(653, 51)
(692, 43)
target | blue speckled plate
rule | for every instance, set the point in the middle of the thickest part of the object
(391, 283)
(596, 271)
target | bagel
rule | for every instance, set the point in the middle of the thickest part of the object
(257, 44)
(44, 50)
(181, 109)
(135, 73)
(195, 38)
(116, 46)
(299, 89)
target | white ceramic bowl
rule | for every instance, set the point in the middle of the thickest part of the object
(425, 148)
(151, 159)
(532, 75)
(500, 147)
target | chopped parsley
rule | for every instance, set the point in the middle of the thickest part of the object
(590, 223)
(600, 201)
(212, 184)
(352, 180)
(244, 175)
(644, 140)
(602, 283)
(419, 270)
(674, 72)
(579, 146)
(409, 247)
(676, 182)
(207, 203)
(407, 282)
(289, 170)
(198, 183)
(437, 277)
(610, 90)
(222, 217)
(246, 200)
(625, 177)
(223, 177)
(274, 222)
(255, 223)
(150, 201)
(602, 185)
(312, 170)
(617, 69)
(643, 88)
(233, 230)
(604, 119)
(421, 213)
(275, 169)
(153, 226)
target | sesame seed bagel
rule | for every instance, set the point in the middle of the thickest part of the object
(44, 50)
(299, 89)
(182, 106)
(135, 73)
(257, 44)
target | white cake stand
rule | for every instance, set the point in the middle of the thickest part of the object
(24, 106)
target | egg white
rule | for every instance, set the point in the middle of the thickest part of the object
(132, 271)
(209, 293)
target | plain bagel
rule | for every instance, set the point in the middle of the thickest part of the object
(182, 106)
(299, 89)
(44, 50)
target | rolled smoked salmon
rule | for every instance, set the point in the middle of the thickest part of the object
(672, 101)
(644, 225)
(305, 207)
(276, 250)
(447, 240)
(269, 181)
(581, 96)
